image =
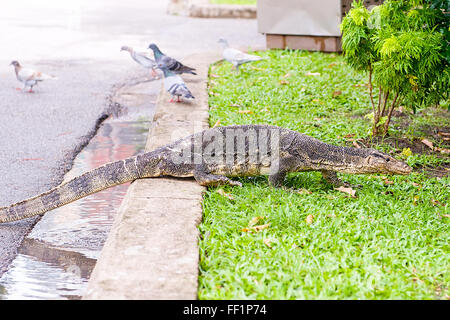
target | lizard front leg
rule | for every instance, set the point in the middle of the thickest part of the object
(277, 179)
(211, 180)
(279, 169)
(332, 178)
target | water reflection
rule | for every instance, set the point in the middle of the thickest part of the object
(37, 263)
(57, 257)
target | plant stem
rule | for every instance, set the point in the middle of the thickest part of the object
(371, 89)
(385, 98)
(377, 113)
(379, 98)
(388, 120)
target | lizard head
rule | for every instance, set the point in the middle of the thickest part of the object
(380, 162)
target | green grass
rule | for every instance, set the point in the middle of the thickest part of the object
(252, 2)
(391, 242)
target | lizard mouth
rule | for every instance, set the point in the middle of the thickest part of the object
(402, 168)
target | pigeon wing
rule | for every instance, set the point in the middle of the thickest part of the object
(26, 74)
(175, 66)
(238, 57)
(176, 86)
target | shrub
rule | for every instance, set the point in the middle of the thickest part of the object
(403, 45)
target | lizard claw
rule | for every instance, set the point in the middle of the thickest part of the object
(235, 183)
(349, 185)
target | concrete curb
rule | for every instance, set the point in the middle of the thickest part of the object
(152, 249)
(204, 9)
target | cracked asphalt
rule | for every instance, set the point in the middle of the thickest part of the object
(79, 42)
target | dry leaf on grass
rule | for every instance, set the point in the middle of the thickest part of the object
(444, 134)
(245, 111)
(216, 124)
(356, 145)
(256, 228)
(388, 181)
(284, 82)
(252, 227)
(446, 215)
(415, 199)
(309, 219)
(260, 227)
(224, 194)
(337, 93)
(347, 190)
(312, 74)
(303, 191)
(235, 105)
(435, 202)
(268, 242)
(214, 75)
(255, 220)
(428, 143)
(442, 150)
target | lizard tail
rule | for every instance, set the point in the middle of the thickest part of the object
(103, 177)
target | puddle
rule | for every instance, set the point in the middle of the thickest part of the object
(57, 257)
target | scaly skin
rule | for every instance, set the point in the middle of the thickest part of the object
(247, 150)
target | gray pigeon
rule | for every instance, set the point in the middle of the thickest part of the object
(235, 56)
(174, 84)
(142, 58)
(171, 64)
(28, 76)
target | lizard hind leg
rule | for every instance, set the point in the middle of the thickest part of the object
(211, 180)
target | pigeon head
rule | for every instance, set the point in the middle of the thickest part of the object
(223, 42)
(125, 48)
(15, 63)
(165, 70)
(155, 49)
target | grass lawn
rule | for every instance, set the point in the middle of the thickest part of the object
(390, 242)
(252, 2)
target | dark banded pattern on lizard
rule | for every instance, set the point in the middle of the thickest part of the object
(214, 155)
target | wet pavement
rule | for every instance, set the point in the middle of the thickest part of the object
(79, 42)
(56, 258)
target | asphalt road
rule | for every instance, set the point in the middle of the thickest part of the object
(79, 43)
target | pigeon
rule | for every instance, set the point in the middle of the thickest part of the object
(235, 56)
(141, 58)
(171, 64)
(174, 84)
(29, 77)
